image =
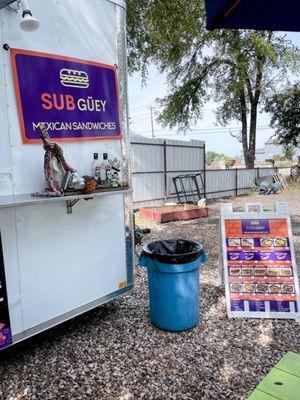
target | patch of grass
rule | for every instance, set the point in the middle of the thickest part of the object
(138, 220)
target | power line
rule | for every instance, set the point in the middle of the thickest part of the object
(214, 129)
(137, 108)
(144, 111)
(204, 131)
(140, 120)
(159, 108)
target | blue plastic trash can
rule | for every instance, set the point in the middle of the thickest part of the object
(173, 279)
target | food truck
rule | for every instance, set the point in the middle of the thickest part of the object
(66, 243)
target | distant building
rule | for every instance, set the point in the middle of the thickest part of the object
(271, 149)
(260, 155)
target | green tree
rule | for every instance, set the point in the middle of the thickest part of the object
(289, 152)
(212, 156)
(236, 68)
(284, 108)
(229, 162)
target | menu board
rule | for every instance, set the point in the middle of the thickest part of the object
(5, 330)
(259, 267)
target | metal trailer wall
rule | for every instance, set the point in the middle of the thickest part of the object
(59, 264)
(156, 161)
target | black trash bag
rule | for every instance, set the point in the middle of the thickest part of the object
(173, 251)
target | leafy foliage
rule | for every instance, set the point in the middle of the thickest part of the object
(285, 115)
(212, 156)
(237, 69)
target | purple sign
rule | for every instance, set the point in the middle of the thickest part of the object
(280, 306)
(259, 255)
(73, 99)
(255, 226)
(5, 331)
(257, 305)
(237, 305)
(256, 242)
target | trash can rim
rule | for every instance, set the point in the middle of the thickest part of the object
(174, 258)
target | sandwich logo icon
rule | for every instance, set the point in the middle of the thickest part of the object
(74, 78)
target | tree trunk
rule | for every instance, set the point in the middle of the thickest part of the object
(254, 100)
(252, 136)
(244, 128)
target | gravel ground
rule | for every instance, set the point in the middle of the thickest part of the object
(114, 352)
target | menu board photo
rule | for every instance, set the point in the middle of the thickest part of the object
(259, 266)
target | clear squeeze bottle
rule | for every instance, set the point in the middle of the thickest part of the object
(103, 168)
(95, 171)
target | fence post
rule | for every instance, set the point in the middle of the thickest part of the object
(165, 172)
(236, 182)
(204, 168)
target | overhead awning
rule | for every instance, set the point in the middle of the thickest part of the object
(4, 3)
(273, 15)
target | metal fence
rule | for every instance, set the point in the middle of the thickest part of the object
(233, 182)
(155, 162)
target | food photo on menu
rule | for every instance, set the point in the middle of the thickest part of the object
(266, 242)
(247, 242)
(262, 288)
(232, 242)
(260, 271)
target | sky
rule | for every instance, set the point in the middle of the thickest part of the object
(217, 138)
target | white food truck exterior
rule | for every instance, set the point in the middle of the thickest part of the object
(60, 257)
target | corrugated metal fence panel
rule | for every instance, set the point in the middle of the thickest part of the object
(182, 157)
(170, 185)
(246, 180)
(149, 203)
(286, 172)
(267, 171)
(148, 186)
(220, 183)
(183, 160)
(148, 157)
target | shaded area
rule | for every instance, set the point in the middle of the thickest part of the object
(272, 15)
(113, 352)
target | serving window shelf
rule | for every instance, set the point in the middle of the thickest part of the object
(71, 200)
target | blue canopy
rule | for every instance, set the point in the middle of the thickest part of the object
(273, 15)
(4, 3)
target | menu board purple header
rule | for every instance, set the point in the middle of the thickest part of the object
(255, 226)
(73, 99)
